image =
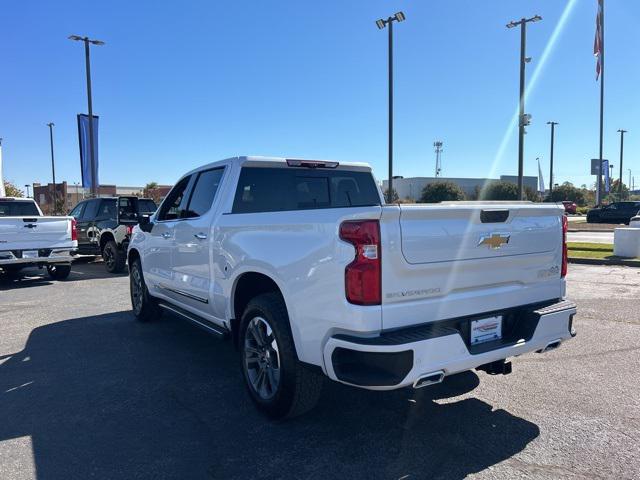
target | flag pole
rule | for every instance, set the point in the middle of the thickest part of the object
(599, 189)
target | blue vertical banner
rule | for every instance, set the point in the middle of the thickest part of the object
(607, 179)
(85, 157)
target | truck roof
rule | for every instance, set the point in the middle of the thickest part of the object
(18, 199)
(277, 161)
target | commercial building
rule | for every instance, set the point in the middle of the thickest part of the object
(69, 195)
(411, 187)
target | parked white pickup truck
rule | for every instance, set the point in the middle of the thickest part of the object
(310, 273)
(28, 239)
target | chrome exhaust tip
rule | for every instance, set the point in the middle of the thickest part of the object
(429, 379)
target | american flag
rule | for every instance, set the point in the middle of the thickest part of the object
(599, 40)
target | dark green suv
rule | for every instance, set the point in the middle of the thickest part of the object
(617, 212)
(105, 225)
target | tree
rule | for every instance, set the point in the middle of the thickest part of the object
(441, 192)
(151, 191)
(499, 190)
(567, 191)
(614, 194)
(394, 197)
(11, 190)
(531, 194)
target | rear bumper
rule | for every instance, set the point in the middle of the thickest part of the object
(46, 257)
(398, 358)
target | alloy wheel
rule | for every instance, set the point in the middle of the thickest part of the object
(262, 358)
(136, 290)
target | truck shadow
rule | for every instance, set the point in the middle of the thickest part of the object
(106, 397)
(84, 268)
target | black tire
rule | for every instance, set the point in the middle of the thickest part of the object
(114, 258)
(59, 272)
(12, 273)
(295, 389)
(143, 305)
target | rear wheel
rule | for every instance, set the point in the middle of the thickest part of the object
(114, 258)
(12, 272)
(59, 272)
(144, 306)
(279, 385)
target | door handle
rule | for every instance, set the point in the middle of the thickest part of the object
(200, 236)
(166, 235)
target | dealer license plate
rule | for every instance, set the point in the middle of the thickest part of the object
(486, 329)
(30, 254)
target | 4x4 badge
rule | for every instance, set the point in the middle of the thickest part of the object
(495, 240)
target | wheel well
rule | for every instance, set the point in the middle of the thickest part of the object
(133, 255)
(248, 286)
(104, 238)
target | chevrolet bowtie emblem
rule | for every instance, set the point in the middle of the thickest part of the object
(495, 240)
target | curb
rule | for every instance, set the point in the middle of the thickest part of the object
(599, 261)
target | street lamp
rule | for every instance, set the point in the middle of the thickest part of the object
(398, 17)
(27, 187)
(622, 132)
(53, 169)
(553, 131)
(94, 170)
(523, 119)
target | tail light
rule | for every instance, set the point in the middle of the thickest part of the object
(74, 229)
(129, 229)
(565, 227)
(363, 279)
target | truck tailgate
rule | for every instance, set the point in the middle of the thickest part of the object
(456, 259)
(33, 233)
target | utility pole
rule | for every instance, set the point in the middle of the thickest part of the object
(438, 148)
(622, 132)
(53, 169)
(94, 169)
(523, 119)
(553, 130)
(398, 17)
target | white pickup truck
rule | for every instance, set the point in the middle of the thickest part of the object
(311, 274)
(28, 239)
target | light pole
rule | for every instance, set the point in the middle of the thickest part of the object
(27, 187)
(398, 17)
(53, 168)
(622, 132)
(523, 120)
(94, 170)
(553, 132)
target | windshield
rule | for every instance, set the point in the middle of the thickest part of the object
(146, 206)
(18, 208)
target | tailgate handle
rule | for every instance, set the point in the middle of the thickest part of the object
(494, 216)
(29, 220)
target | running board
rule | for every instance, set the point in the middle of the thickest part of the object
(196, 320)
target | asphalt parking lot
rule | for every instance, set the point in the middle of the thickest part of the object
(86, 392)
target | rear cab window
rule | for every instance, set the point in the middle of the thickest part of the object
(269, 189)
(18, 208)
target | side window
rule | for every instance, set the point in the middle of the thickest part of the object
(77, 211)
(170, 208)
(203, 193)
(107, 210)
(90, 210)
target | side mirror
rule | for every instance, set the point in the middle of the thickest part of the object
(145, 223)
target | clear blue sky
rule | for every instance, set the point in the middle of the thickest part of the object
(180, 84)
